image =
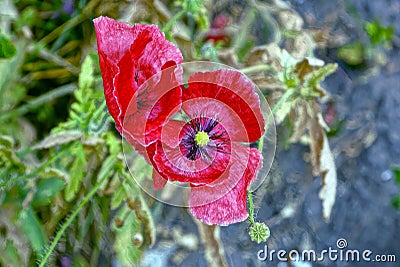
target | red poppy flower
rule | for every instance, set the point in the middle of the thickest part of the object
(209, 149)
(217, 32)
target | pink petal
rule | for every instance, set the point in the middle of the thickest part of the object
(235, 91)
(229, 204)
(158, 181)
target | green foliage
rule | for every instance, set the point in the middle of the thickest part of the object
(377, 33)
(33, 229)
(352, 54)
(396, 199)
(77, 172)
(7, 49)
(358, 52)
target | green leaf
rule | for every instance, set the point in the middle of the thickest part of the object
(10, 158)
(6, 141)
(9, 256)
(77, 172)
(7, 49)
(313, 79)
(117, 197)
(54, 173)
(86, 78)
(46, 190)
(396, 171)
(396, 202)
(33, 229)
(353, 54)
(377, 33)
(142, 211)
(127, 254)
(59, 138)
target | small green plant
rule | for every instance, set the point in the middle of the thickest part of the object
(358, 52)
(396, 199)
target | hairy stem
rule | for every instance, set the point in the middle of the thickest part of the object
(64, 227)
(251, 206)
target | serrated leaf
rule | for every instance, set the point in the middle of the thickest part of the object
(118, 197)
(88, 220)
(54, 173)
(7, 49)
(11, 157)
(6, 141)
(323, 163)
(9, 255)
(107, 167)
(59, 138)
(77, 172)
(314, 78)
(127, 254)
(86, 77)
(284, 110)
(33, 229)
(142, 211)
(46, 190)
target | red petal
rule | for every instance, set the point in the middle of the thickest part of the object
(129, 55)
(230, 204)
(158, 181)
(236, 92)
(172, 164)
(158, 99)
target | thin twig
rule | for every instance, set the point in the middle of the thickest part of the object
(210, 237)
(53, 57)
(47, 97)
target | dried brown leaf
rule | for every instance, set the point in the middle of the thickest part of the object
(323, 161)
(329, 179)
(299, 115)
(290, 20)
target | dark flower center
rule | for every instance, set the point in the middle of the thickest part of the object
(201, 137)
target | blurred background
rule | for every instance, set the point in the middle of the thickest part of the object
(66, 198)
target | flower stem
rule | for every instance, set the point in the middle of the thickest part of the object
(64, 227)
(281, 101)
(251, 206)
(167, 28)
(256, 68)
